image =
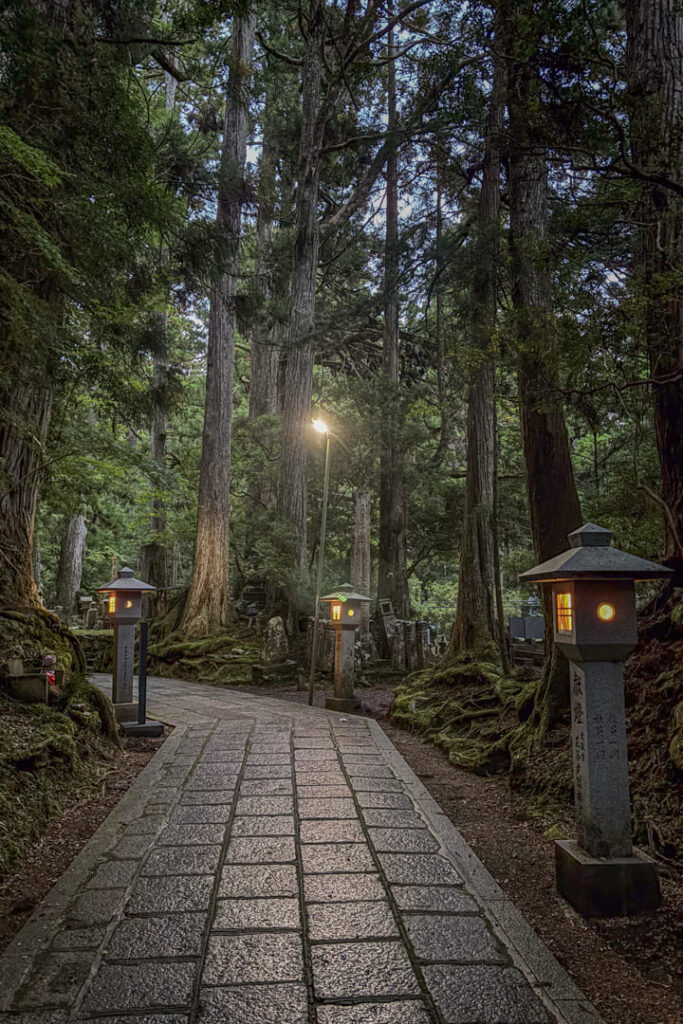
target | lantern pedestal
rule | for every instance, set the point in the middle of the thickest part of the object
(606, 887)
(344, 698)
(125, 708)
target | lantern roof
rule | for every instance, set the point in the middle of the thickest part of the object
(126, 581)
(345, 593)
(590, 556)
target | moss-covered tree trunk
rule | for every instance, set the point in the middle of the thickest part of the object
(360, 551)
(207, 609)
(70, 571)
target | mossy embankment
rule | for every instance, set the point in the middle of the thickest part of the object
(224, 660)
(484, 722)
(50, 757)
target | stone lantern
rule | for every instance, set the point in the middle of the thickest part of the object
(345, 607)
(594, 616)
(124, 608)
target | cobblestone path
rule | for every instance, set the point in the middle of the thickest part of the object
(276, 864)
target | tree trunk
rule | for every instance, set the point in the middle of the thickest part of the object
(475, 626)
(208, 603)
(24, 420)
(553, 500)
(655, 85)
(360, 551)
(392, 581)
(298, 373)
(70, 566)
(153, 555)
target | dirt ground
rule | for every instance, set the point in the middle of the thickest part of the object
(630, 968)
(65, 837)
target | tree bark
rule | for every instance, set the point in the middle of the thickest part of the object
(24, 420)
(551, 489)
(655, 96)
(207, 609)
(298, 372)
(475, 626)
(392, 578)
(360, 551)
(70, 570)
(153, 555)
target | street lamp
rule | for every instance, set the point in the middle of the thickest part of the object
(321, 427)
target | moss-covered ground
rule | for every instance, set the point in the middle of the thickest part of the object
(224, 660)
(48, 758)
(484, 721)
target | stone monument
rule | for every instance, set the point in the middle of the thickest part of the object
(345, 605)
(124, 608)
(594, 615)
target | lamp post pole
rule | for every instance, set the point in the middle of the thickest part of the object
(321, 565)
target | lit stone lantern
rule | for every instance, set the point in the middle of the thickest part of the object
(124, 608)
(345, 607)
(595, 626)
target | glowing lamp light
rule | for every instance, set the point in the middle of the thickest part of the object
(351, 613)
(320, 426)
(606, 611)
(564, 612)
(111, 607)
(336, 612)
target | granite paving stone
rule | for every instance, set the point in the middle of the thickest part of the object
(274, 758)
(142, 986)
(196, 833)
(483, 994)
(144, 938)
(132, 847)
(259, 880)
(420, 869)
(259, 957)
(96, 906)
(385, 783)
(269, 825)
(465, 939)
(262, 850)
(327, 857)
(446, 898)
(381, 817)
(201, 814)
(137, 1018)
(214, 796)
(233, 915)
(323, 792)
(326, 778)
(182, 860)
(78, 938)
(266, 787)
(399, 1012)
(356, 969)
(398, 840)
(265, 805)
(342, 888)
(372, 798)
(253, 1004)
(268, 771)
(360, 920)
(146, 824)
(180, 892)
(327, 808)
(339, 830)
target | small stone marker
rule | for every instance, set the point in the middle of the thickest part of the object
(275, 647)
(594, 615)
(345, 605)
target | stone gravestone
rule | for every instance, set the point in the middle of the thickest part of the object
(275, 646)
(410, 641)
(422, 642)
(397, 649)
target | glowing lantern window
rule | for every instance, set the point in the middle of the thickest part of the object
(565, 613)
(129, 604)
(606, 611)
(112, 604)
(336, 612)
(351, 612)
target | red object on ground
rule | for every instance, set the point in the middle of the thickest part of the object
(50, 678)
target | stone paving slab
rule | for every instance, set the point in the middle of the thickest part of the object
(278, 864)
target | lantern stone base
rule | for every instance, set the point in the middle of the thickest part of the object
(148, 728)
(341, 704)
(126, 712)
(598, 887)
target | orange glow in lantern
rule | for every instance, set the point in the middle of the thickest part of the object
(336, 612)
(606, 611)
(112, 604)
(129, 604)
(565, 613)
